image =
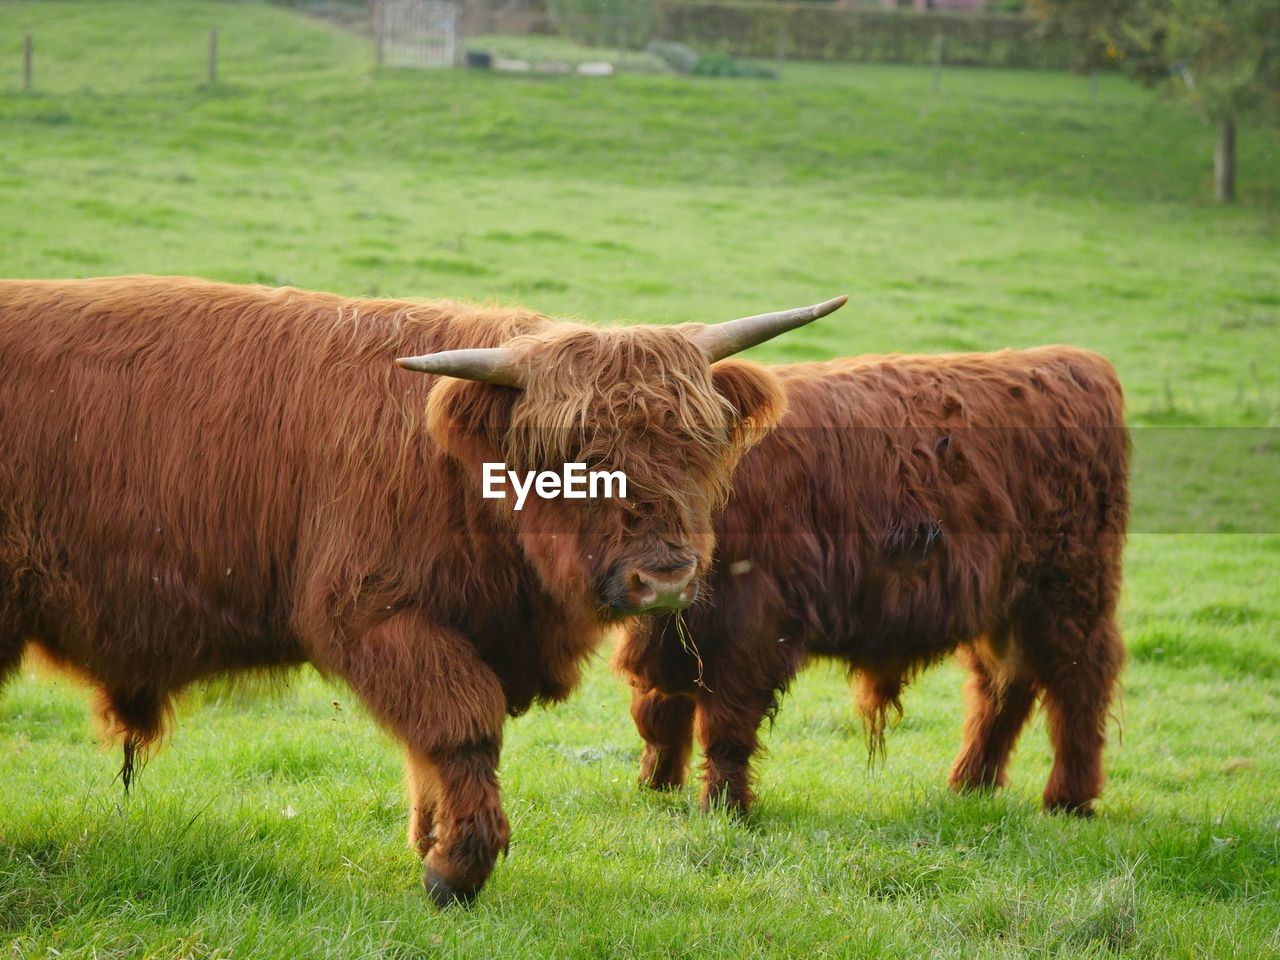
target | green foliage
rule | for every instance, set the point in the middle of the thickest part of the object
(811, 31)
(1223, 56)
(1007, 210)
(1095, 31)
(677, 56)
(627, 24)
(684, 59)
(723, 65)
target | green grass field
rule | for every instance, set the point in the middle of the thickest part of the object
(1008, 209)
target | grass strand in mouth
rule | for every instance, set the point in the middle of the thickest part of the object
(686, 641)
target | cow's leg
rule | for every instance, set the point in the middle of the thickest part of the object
(745, 675)
(666, 724)
(10, 658)
(424, 796)
(432, 690)
(729, 733)
(662, 673)
(469, 828)
(12, 642)
(1078, 670)
(1072, 646)
(730, 711)
(998, 709)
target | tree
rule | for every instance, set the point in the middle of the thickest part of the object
(1221, 56)
(1095, 30)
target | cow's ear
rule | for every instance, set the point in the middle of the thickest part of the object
(469, 420)
(755, 394)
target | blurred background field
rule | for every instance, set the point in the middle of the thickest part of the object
(978, 209)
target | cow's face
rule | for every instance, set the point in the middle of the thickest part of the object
(642, 403)
(648, 403)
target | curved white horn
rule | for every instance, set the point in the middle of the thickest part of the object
(485, 364)
(722, 340)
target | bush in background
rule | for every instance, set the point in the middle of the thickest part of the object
(723, 65)
(677, 56)
(813, 31)
(625, 24)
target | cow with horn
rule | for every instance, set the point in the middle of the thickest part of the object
(202, 479)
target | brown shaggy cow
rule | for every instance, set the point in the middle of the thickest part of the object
(200, 478)
(909, 507)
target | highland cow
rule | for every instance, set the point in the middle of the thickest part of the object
(200, 479)
(909, 507)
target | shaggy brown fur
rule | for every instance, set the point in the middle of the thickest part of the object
(909, 507)
(201, 478)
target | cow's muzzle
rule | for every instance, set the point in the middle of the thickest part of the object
(653, 589)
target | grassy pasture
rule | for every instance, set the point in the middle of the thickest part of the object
(1009, 209)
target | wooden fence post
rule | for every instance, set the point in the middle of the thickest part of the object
(213, 56)
(938, 46)
(1224, 161)
(26, 62)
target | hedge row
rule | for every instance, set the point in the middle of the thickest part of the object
(819, 31)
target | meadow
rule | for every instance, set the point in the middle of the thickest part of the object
(1005, 209)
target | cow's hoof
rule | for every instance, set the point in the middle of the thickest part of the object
(736, 810)
(442, 892)
(661, 784)
(1070, 807)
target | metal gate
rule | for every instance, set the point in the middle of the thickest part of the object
(416, 33)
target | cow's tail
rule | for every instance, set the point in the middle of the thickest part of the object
(878, 697)
(138, 719)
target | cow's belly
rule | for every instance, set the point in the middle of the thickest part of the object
(163, 637)
(906, 618)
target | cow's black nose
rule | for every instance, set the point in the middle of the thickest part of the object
(666, 588)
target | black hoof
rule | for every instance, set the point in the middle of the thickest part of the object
(442, 892)
(735, 810)
(661, 784)
(1083, 811)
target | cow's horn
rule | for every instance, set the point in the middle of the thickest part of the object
(488, 365)
(725, 339)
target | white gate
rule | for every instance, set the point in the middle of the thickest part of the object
(416, 33)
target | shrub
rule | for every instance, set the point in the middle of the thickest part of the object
(625, 24)
(817, 31)
(677, 56)
(723, 65)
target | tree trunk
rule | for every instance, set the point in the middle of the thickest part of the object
(1224, 161)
